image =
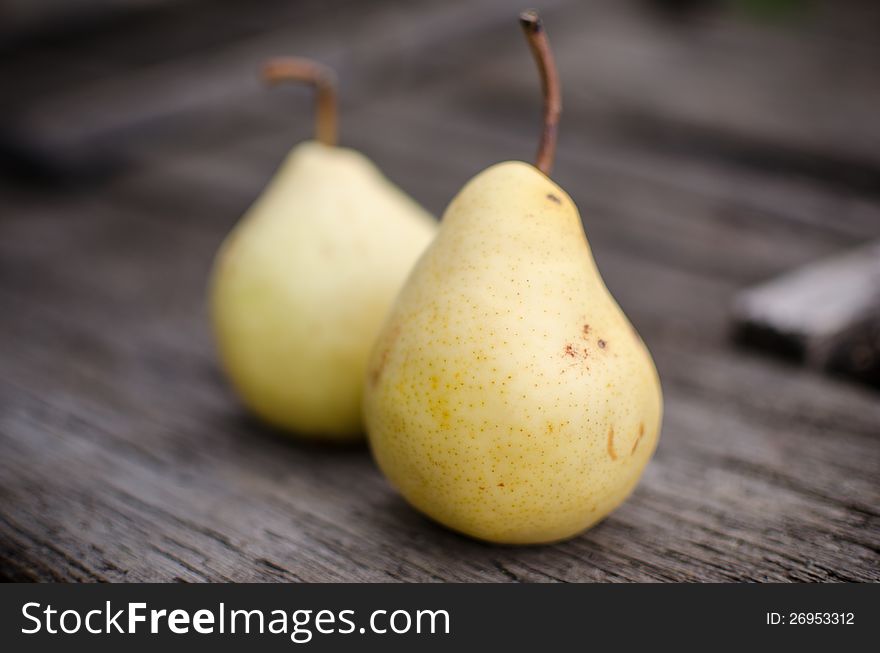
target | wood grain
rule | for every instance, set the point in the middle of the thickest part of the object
(124, 455)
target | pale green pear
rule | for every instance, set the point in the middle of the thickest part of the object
(302, 284)
(508, 397)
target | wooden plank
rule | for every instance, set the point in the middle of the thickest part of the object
(93, 119)
(823, 314)
(718, 98)
(726, 497)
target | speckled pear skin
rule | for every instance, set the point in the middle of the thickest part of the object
(302, 284)
(507, 396)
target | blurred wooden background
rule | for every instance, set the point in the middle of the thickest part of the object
(707, 149)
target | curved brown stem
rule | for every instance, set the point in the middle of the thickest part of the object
(537, 38)
(292, 69)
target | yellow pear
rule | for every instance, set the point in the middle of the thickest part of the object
(302, 284)
(508, 397)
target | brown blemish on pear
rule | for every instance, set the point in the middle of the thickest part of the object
(569, 351)
(638, 438)
(611, 452)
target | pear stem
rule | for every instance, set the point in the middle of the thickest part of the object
(537, 39)
(291, 69)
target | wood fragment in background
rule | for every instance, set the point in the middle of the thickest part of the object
(826, 314)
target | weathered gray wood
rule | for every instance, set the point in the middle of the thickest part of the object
(124, 455)
(86, 120)
(822, 313)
